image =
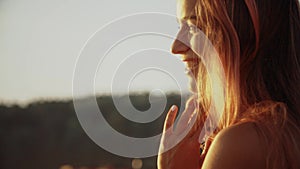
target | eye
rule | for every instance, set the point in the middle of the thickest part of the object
(193, 29)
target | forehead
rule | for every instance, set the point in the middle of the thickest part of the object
(185, 8)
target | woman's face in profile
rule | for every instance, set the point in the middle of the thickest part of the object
(182, 45)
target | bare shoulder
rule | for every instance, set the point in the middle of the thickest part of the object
(238, 147)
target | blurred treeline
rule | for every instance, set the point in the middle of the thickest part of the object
(47, 134)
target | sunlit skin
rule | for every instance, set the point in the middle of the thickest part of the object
(187, 153)
(224, 151)
(186, 19)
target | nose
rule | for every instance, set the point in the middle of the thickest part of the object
(178, 47)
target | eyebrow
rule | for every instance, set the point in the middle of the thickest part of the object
(190, 17)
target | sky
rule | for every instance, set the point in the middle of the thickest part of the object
(42, 42)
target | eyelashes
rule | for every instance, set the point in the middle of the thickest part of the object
(193, 29)
(189, 28)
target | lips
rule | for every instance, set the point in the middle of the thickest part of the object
(194, 59)
(192, 63)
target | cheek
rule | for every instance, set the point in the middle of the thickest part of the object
(197, 42)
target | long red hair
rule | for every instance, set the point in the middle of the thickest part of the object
(259, 44)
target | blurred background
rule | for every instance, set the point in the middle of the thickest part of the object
(39, 45)
(48, 135)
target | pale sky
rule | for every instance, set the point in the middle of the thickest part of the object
(41, 40)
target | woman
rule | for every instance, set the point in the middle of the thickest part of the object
(258, 42)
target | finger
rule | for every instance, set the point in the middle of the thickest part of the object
(193, 125)
(187, 114)
(171, 116)
(194, 119)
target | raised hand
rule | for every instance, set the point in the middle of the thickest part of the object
(185, 135)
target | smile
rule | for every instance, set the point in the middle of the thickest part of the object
(194, 59)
